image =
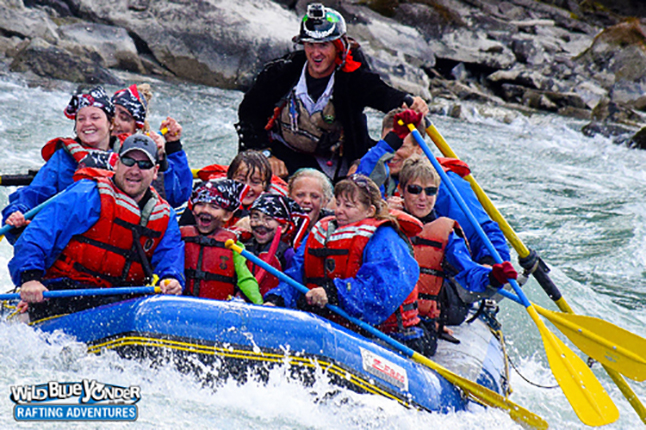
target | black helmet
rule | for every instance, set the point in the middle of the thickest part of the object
(320, 24)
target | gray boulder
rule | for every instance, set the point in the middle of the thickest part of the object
(112, 45)
(17, 20)
(49, 61)
(214, 42)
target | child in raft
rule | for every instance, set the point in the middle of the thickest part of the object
(213, 271)
(278, 225)
(250, 168)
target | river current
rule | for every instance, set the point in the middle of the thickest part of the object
(578, 201)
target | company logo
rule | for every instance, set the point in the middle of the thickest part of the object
(88, 400)
(384, 369)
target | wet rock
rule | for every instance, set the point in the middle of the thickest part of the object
(59, 8)
(606, 130)
(618, 51)
(398, 52)
(638, 140)
(574, 112)
(527, 50)
(538, 99)
(590, 93)
(525, 78)
(49, 61)
(216, 43)
(609, 111)
(112, 45)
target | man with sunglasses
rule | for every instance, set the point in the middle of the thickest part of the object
(383, 164)
(102, 232)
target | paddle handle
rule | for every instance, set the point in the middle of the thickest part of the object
(16, 180)
(89, 292)
(304, 290)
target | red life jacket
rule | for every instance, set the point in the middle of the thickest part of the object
(208, 264)
(85, 157)
(269, 281)
(430, 246)
(118, 248)
(339, 254)
(454, 165)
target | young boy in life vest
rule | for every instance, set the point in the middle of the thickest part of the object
(278, 225)
(213, 271)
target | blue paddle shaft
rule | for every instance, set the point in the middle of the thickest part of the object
(29, 214)
(456, 195)
(303, 289)
(87, 292)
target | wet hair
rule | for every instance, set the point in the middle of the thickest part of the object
(389, 122)
(361, 189)
(323, 180)
(419, 168)
(255, 162)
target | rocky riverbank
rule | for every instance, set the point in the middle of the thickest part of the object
(575, 58)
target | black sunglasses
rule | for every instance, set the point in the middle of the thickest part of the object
(142, 164)
(416, 189)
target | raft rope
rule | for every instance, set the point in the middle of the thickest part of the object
(535, 384)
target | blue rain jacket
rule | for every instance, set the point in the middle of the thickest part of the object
(387, 276)
(72, 213)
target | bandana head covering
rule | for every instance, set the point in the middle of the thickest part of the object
(287, 212)
(226, 193)
(134, 102)
(96, 97)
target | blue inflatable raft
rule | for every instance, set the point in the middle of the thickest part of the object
(237, 339)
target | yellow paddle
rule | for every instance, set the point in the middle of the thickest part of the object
(475, 391)
(581, 329)
(589, 400)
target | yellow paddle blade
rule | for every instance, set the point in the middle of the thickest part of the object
(607, 343)
(583, 390)
(484, 395)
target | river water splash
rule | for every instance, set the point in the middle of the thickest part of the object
(577, 201)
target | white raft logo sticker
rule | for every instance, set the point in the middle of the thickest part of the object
(384, 369)
(87, 400)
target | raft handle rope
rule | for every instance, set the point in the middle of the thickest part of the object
(535, 384)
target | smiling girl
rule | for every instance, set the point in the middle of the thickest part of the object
(92, 112)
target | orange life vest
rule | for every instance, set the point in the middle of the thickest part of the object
(85, 157)
(118, 248)
(339, 254)
(430, 246)
(208, 264)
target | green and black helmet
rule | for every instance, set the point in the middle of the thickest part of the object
(320, 24)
